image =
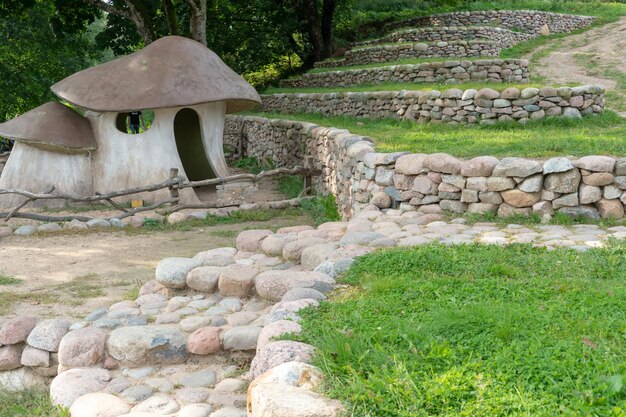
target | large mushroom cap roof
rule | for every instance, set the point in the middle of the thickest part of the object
(170, 72)
(52, 126)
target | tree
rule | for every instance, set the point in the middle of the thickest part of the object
(33, 56)
(144, 15)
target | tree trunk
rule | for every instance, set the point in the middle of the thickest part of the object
(328, 12)
(312, 17)
(142, 19)
(172, 18)
(197, 20)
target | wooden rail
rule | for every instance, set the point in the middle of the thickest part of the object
(174, 183)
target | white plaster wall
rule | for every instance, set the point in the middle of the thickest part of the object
(35, 170)
(126, 161)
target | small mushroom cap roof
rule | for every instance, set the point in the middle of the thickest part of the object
(51, 126)
(171, 72)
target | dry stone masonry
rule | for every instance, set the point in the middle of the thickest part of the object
(591, 186)
(394, 52)
(450, 106)
(489, 70)
(505, 37)
(529, 21)
(463, 34)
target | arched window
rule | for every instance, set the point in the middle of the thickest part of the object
(134, 122)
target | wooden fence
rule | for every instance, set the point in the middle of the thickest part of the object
(169, 205)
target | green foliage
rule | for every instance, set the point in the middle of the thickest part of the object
(477, 331)
(593, 135)
(291, 186)
(535, 220)
(29, 404)
(5, 280)
(33, 56)
(322, 209)
(271, 73)
(254, 165)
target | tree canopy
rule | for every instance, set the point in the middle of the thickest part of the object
(33, 55)
(47, 40)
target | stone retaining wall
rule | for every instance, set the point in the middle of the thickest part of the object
(395, 52)
(531, 21)
(592, 186)
(490, 70)
(505, 37)
(451, 106)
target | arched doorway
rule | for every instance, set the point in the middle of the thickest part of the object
(188, 135)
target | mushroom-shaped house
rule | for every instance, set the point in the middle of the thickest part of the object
(185, 86)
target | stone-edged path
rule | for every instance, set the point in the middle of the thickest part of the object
(201, 333)
(604, 48)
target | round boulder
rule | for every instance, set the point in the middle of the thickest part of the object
(72, 384)
(82, 348)
(272, 285)
(99, 404)
(151, 344)
(172, 272)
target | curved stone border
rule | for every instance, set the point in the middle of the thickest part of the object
(592, 186)
(505, 37)
(490, 70)
(532, 21)
(394, 52)
(169, 351)
(450, 106)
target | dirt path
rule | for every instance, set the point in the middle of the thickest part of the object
(74, 274)
(597, 56)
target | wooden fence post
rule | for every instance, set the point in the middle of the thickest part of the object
(173, 175)
(308, 179)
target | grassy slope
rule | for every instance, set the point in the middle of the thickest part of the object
(477, 331)
(600, 135)
(595, 135)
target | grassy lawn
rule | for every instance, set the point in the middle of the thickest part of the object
(602, 135)
(29, 404)
(477, 331)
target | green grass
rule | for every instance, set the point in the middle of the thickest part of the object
(362, 88)
(559, 219)
(229, 234)
(291, 185)
(81, 288)
(241, 216)
(322, 209)
(29, 404)
(477, 331)
(595, 135)
(254, 165)
(5, 280)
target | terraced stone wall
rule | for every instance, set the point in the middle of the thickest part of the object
(449, 106)
(395, 52)
(505, 37)
(489, 70)
(530, 21)
(592, 186)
